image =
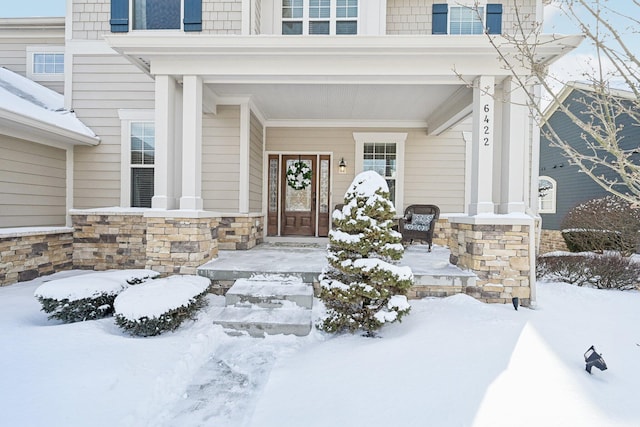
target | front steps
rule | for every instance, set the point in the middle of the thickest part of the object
(267, 305)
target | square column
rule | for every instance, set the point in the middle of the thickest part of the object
(191, 143)
(515, 136)
(482, 146)
(163, 179)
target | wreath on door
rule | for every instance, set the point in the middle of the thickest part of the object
(299, 175)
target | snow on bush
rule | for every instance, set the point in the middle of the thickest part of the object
(603, 271)
(362, 288)
(162, 305)
(88, 296)
(599, 225)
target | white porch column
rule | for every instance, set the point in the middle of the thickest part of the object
(515, 137)
(191, 143)
(164, 189)
(245, 159)
(482, 151)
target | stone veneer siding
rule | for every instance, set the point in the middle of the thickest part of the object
(31, 254)
(180, 245)
(109, 241)
(499, 255)
(442, 232)
(551, 241)
(240, 232)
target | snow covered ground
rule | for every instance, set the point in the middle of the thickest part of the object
(451, 362)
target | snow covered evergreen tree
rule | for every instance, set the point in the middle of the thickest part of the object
(361, 288)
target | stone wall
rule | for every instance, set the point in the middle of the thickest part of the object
(180, 245)
(551, 241)
(109, 241)
(442, 232)
(240, 232)
(30, 254)
(499, 255)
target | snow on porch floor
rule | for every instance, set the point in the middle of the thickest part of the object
(307, 260)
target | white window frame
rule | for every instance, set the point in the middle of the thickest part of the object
(398, 138)
(43, 77)
(132, 18)
(333, 19)
(550, 196)
(127, 117)
(472, 4)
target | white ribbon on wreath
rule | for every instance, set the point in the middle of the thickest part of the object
(299, 175)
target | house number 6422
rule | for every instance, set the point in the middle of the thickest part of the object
(486, 130)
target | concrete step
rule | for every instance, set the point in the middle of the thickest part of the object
(259, 321)
(270, 293)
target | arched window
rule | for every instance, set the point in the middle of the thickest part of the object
(547, 188)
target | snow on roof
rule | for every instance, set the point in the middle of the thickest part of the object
(27, 98)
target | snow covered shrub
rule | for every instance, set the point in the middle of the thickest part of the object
(598, 225)
(87, 296)
(361, 288)
(162, 305)
(602, 271)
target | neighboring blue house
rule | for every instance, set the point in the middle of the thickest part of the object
(567, 186)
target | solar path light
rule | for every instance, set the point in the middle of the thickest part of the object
(592, 358)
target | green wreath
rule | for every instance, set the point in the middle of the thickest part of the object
(299, 175)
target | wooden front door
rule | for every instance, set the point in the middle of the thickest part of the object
(298, 212)
(298, 206)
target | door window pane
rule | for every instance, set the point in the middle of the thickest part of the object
(298, 200)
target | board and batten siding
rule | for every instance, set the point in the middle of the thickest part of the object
(221, 159)
(256, 160)
(32, 184)
(434, 166)
(101, 86)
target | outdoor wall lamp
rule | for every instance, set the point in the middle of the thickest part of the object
(594, 359)
(342, 166)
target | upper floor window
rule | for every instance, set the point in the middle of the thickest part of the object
(546, 195)
(45, 63)
(466, 20)
(467, 17)
(319, 17)
(156, 14)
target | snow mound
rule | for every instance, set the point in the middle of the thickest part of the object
(92, 285)
(153, 299)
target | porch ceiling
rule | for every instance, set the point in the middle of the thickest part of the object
(382, 104)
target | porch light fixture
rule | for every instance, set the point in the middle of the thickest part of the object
(592, 358)
(342, 166)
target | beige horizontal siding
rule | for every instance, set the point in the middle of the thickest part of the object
(101, 86)
(32, 184)
(434, 166)
(221, 159)
(255, 166)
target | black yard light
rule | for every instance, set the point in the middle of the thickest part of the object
(516, 302)
(592, 358)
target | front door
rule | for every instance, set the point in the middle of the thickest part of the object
(303, 204)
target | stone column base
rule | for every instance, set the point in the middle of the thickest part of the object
(498, 253)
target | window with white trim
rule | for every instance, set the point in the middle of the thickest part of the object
(45, 63)
(137, 158)
(383, 152)
(313, 17)
(156, 14)
(547, 189)
(143, 142)
(466, 19)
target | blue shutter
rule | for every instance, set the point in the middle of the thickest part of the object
(440, 12)
(193, 15)
(494, 18)
(119, 16)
